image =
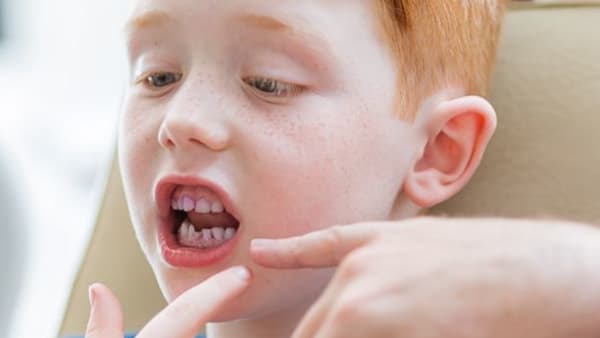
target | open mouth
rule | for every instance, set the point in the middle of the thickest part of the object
(198, 227)
(201, 219)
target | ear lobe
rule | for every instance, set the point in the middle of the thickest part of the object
(457, 132)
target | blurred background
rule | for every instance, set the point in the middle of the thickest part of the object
(62, 70)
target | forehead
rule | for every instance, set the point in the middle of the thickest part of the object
(152, 18)
(271, 14)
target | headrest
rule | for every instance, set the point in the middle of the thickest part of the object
(544, 160)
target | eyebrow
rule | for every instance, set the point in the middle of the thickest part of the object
(147, 19)
(316, 45)
(265, 22)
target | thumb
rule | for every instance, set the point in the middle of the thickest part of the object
(106, 316)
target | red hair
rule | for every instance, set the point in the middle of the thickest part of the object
(440, 44)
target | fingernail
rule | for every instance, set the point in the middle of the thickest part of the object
(92, 295)
(262, 243)
(242, 272)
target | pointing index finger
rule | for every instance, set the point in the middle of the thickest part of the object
(184, 317)
(320, 249)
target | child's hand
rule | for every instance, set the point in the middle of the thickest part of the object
(183, 318)
(448, 278)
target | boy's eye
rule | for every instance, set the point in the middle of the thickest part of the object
(162, 79)
(272, 88)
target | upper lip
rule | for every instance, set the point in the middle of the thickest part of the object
(165, 187)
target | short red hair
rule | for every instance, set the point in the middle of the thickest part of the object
(441, 43)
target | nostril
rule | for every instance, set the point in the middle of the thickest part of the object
(165, 138)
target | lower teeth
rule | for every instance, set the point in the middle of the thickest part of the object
(204, 239)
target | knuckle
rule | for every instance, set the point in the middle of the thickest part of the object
(333, 240)
(355, 264)
(326, 243)
(334, 234)
(297, 253)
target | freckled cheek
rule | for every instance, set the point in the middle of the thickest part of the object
(309, 170)
(139, 133)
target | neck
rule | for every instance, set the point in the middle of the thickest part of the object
(276, 325)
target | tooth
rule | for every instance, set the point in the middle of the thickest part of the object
(202, 206)
(229, 232)
(193, 234)
(188, 204)
(206, 234)
(217, 207)
(174, 204)
(218, 233)
(179, 204)
(184, 229)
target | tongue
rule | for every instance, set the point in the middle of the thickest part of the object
(220, 220)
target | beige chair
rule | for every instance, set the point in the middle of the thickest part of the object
(543, 162)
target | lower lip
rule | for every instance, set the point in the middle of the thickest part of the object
(186, 257)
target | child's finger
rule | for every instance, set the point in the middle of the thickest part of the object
(184, 317)
(324, 248)
(106, 316)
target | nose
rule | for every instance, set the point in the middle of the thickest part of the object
(191, 130)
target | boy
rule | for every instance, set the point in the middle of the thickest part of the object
(271, 119)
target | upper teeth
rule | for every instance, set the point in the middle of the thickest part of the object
(201, 205)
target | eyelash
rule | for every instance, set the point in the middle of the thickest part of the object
(151, 79)
(270, 88)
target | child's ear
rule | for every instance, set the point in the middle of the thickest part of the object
(456, 133)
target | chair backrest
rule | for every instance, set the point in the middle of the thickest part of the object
(543, 162)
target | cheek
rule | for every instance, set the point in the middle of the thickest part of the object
(138, 160)
(138, 133)
(330, 169)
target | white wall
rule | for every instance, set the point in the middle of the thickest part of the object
(61, 74)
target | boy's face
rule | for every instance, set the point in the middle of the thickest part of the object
(284, 108)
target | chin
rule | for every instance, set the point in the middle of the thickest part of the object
(270, 294)
(257, 304)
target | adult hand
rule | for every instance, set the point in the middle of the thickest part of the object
(448, 278)
(183, 318)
